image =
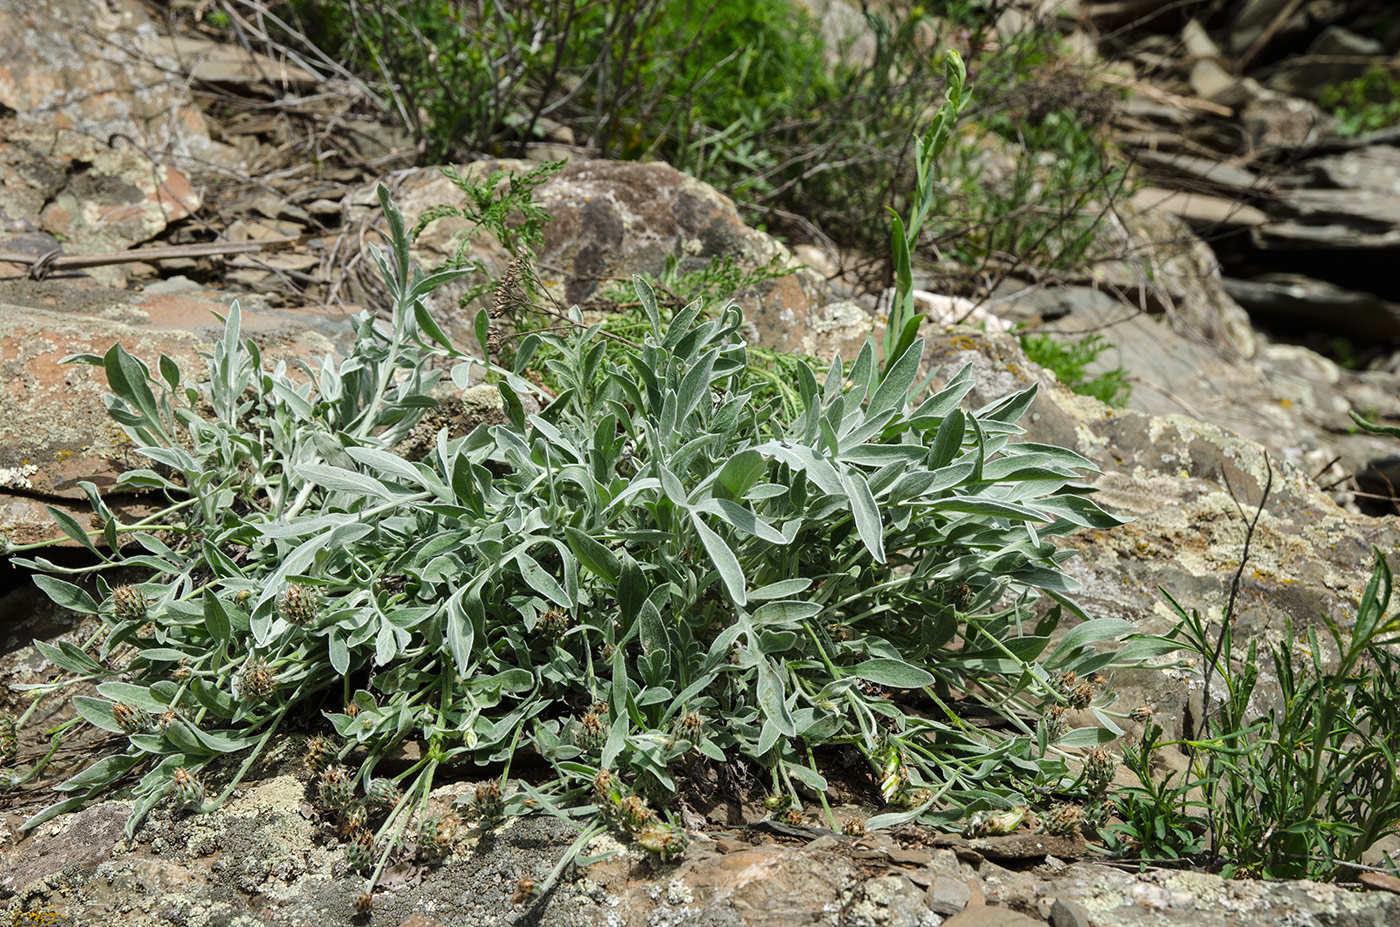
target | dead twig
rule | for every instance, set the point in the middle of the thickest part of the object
(50, 261)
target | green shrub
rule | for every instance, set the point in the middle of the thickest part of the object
(652, 574)
(740, 93)
(1366, 104)
(1070, 362)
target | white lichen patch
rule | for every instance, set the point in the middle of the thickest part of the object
(17, 477)
(677, 892)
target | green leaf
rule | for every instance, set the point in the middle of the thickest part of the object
(216, 619)
(695, 386)
(461, 631)
(104, 772)
(69, 657)
(515, 410)
(772, 701)
(948, 441)
(70, 527)
(1086, 737)
(541, 581)
(740, 472)
(97, 712)
(66, 595)
(866, 513)
(338, 479)
(429, 325)
(895, 674)
(389, 466)
(134, 695)
(596, 557)
(782, 589)
(127, 377)
(1089, 632)
(723, 558)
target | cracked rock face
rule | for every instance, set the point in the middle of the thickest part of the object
(613, 219)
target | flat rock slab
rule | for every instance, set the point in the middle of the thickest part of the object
(56, 430)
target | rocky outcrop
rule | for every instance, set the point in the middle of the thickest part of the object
(613, 219)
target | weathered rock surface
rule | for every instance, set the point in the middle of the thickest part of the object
(613, 219)
(55, 429)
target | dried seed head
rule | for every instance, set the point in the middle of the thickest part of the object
(298, 605)
(166, 717)
(793, 816)
(364, 903)
(9, 739)
(436, 832)
(1063, 819)
(995, 823)
(188, 789)
(1141, 714)
(382, 792)
(319, 754)
(592, 728)
(9, 779)
(1055, 722)
(336, 788)
(487, 805)
(129, 603)
(359, 852)
(525, 890)
(353, 819)
(633, 814)
(1099, 768)
(351, 709)
(1066, 681)
(872, 689)
(553, 623)
(855, 827)
(130, 719)
(692, 726)
(664, 840)
(1080, 696)
(256, 682)
(603, 786)
(181, 670)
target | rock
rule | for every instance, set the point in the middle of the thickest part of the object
(947, 895)
(1342, 42)
(1067, 913)
(614, 219)
(56, 430)
(1278, 121)
(1189, 488)
(1373, 167)
(1201, 208)
(92, 196)
(988, 916)
(1293, 299)
(223, 63)
(98, 70)
(1207, 171)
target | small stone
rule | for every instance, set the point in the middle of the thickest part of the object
(1066, 913)
(985, 916)
(947, 895)
(910, 857)
(1380, 882)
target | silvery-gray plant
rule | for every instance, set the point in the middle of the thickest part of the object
(650, 576)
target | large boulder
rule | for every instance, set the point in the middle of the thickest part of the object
(613, 219)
